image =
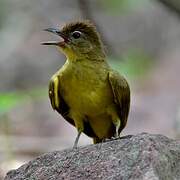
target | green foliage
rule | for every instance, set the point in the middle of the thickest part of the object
(117, 6)
(134, 64)
(10, 100)
(3, 12)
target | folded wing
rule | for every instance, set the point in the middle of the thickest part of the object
(121, 92)
(59, 104)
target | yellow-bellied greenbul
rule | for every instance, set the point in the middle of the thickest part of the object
(86, 91)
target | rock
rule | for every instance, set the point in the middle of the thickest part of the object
(143, 156)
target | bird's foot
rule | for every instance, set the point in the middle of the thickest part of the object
(126, 137)
(110, 139)
(116, 138)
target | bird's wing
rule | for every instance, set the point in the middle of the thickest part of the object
(59, 104)
(121, 92)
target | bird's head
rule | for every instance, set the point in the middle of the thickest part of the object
(80, 39)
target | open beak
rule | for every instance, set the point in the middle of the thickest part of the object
(59, 33)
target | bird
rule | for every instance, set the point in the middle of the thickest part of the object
(86, 91)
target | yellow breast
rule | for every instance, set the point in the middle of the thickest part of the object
(85, 90)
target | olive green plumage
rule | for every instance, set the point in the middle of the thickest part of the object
(86, 91)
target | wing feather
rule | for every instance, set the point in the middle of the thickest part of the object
(121, 92)
(58, 103)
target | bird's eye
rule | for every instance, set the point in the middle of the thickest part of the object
(76, 34)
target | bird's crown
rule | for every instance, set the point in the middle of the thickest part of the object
(85, 27)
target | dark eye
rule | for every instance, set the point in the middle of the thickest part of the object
(76, 34)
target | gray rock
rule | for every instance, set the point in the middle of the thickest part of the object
(143, 156)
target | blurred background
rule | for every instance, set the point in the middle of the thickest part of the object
(142, 40)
